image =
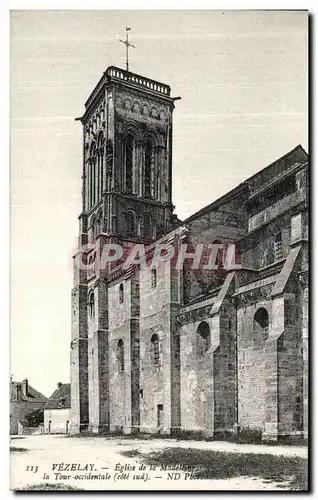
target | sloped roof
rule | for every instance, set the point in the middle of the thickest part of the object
(33, 394)
(298, 153)
(61, 398)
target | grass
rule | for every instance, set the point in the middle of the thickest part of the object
(49, 487)
(245, 436)
(291, 472)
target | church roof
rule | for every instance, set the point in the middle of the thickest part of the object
(268, 175)
(61, 398)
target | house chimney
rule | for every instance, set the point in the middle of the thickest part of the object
(59, 384)
(26, 387)
(19, 394)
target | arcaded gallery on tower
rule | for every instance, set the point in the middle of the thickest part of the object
(166, 349)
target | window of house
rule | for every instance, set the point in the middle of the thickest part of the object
(155, 356)
(121, 293)
(121, 355)
(153, 278)
(203, 339)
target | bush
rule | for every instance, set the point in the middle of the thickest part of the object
(35, 418)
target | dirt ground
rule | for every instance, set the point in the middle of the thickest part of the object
(72, 461)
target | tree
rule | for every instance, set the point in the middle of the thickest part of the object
(35, 417)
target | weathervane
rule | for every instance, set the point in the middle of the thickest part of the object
(128, 44)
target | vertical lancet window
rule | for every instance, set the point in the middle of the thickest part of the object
(91, 306)
(153, 278)
(121, 293)
(93, 175)
(129, 150)
(130, 223)
(155, 357)
(147, 226)
(121, 355)
(149, 168)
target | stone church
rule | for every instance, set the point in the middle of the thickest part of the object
(166, 348)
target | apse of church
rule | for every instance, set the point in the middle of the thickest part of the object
(167, 348)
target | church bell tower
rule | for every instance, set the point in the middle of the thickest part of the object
(126, 199)
(127, 130)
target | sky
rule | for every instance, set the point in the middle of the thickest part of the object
(242, 77)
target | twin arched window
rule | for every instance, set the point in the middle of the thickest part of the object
(130, 229)
(145, 225)
(203, 339)
(134, 156)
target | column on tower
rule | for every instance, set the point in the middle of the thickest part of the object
(97, 174)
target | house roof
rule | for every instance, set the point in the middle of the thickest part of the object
(32, 395)
(61, 398)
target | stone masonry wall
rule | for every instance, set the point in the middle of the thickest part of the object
(251, 368)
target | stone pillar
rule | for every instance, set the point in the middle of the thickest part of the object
(78, 354)
(305, 360)
(98, 362)
(276, 329)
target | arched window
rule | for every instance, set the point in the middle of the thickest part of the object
(121, 293)
(121, 355)
(260, 326)
(147, 226)
(203, 339)
(153, 278)
(155, 357)
(91, 305)
(149, 168)
(130, 223)
(129, 150)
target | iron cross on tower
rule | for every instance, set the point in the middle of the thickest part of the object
(128, 44)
